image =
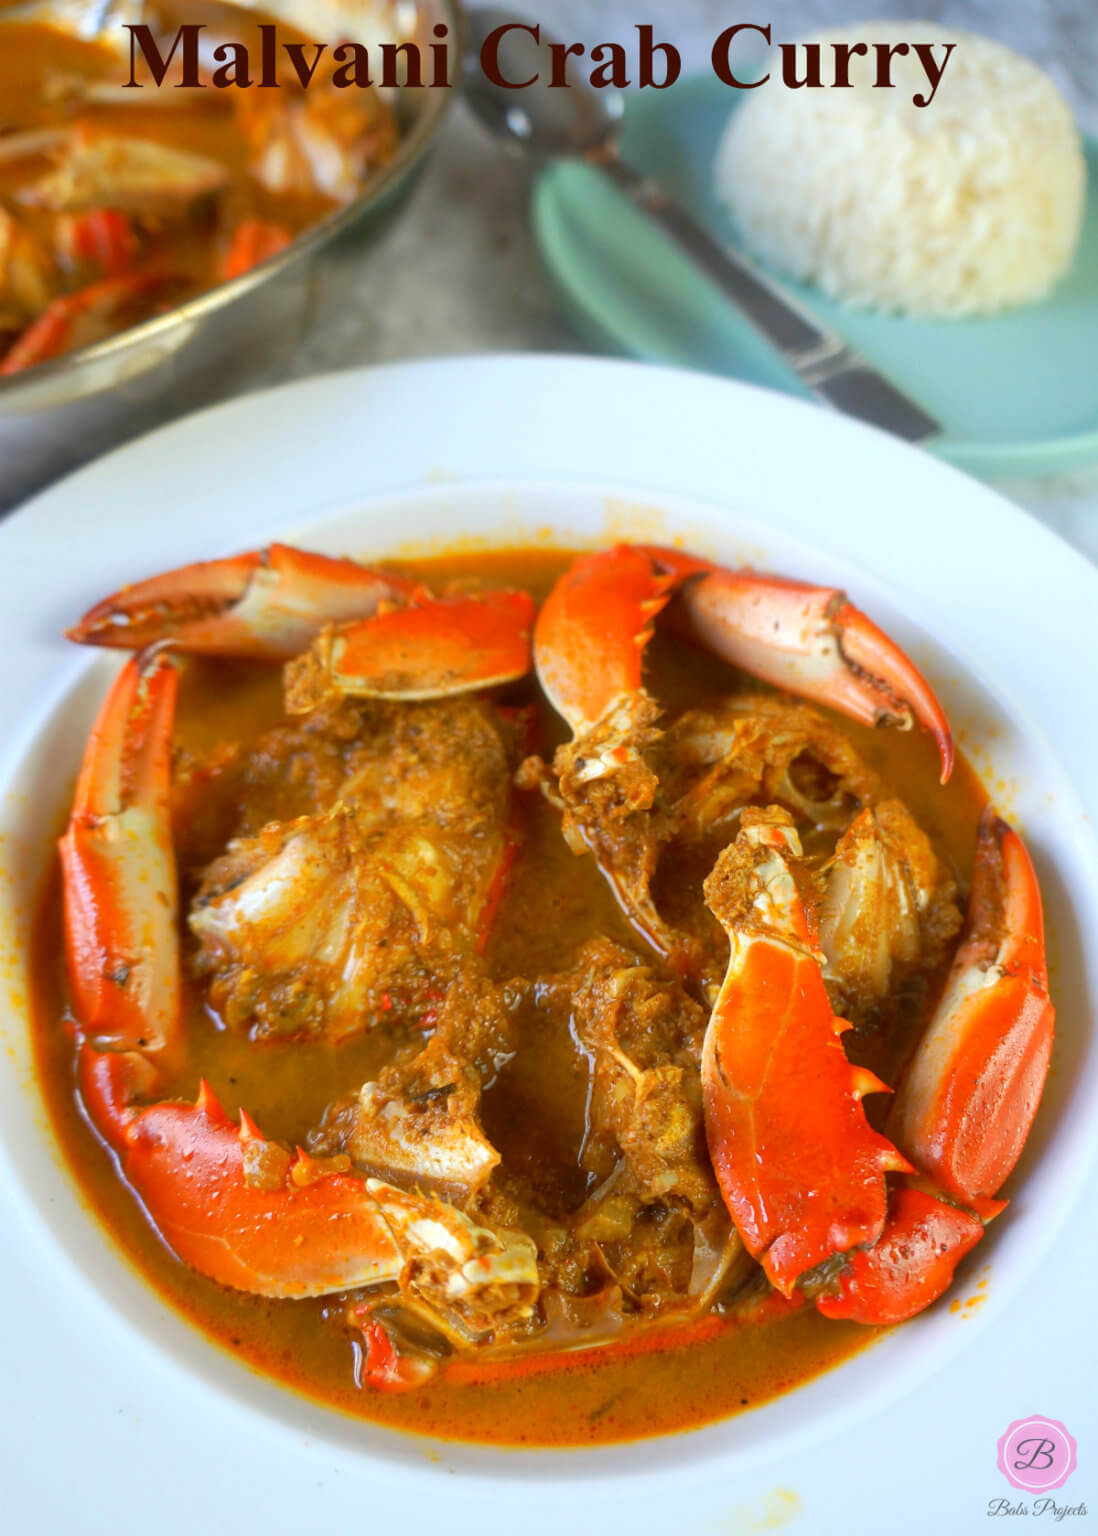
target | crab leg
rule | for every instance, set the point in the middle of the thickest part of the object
(801, 1171)
(913, 1261)
(588, 649)
(268, 603)
(589, 642)
(239, 1208)
(238, 1217)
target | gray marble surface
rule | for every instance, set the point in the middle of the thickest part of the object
(459, 271)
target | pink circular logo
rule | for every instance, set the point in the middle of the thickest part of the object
(1037, 1454)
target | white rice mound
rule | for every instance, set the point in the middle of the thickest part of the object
(966, 206)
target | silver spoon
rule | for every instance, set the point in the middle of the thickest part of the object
(579, 121)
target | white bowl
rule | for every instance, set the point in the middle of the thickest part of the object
(1000, 615)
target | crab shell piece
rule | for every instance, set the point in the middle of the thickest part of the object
(809, 640)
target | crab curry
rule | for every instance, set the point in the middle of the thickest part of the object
(470, 989)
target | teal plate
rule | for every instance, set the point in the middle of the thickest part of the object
(1017, 393)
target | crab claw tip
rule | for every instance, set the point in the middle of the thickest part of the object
(884, 671)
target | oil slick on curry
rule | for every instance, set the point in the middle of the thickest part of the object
(489, 976)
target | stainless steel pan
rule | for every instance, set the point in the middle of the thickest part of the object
(59, 414)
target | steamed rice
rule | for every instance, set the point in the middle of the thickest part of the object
(969, 205)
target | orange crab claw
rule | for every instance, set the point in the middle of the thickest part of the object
(119, 869)
(910, 1265)
(968, 1098)
(268, 603)
(592, 630)
(800, 1170)
(239, 1209)
(448, 646)
(813, 642)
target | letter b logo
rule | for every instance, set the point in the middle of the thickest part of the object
(1036, 1454)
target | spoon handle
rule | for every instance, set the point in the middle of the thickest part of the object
(834, 372)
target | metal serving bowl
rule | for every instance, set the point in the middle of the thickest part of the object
(61, 413)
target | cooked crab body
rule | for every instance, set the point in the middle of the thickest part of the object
(655, 800)
(329, 921)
